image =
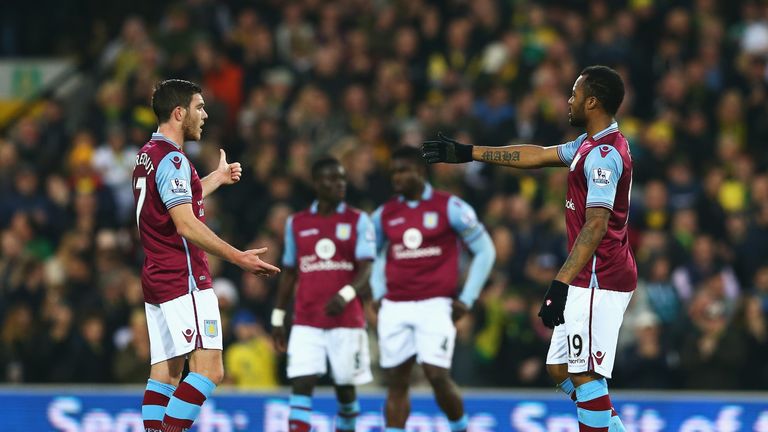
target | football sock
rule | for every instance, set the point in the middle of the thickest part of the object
(301, 410)
(593, 406)
(156, 398)
(459, 425)
(184, 406)
(346, 418)
(567, 387)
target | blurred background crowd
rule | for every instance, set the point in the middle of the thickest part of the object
(288, 81)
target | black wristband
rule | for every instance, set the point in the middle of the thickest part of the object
(464, 152)
(559, 286)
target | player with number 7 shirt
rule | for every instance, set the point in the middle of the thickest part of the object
(182, 310)
(586, 301)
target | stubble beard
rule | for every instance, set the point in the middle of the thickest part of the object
(190, 130)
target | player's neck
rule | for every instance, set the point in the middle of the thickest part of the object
(172, 134)
(325, 208)
(415, 194)
(598, 124)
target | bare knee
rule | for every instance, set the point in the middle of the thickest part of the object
(208, 363)
(558, 372)
(168, 372)
(304, 385)
(438, 377)
(585, 377)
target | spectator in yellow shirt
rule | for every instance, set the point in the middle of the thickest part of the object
(250, 361)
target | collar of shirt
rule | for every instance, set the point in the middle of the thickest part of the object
(159, 136)
(614, 127)
(339, 208)
(427, 194)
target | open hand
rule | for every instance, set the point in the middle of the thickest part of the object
(249, 261)
(446, 149)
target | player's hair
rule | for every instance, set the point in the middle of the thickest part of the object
(409, 153)
(171, 93)
(606, 85)
(322, 163)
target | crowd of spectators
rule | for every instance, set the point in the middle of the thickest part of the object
(288, 81)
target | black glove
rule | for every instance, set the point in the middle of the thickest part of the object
(552, 308)
(446, 149)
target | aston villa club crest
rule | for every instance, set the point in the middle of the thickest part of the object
(343, 231)
(211, 328)
(430, 220)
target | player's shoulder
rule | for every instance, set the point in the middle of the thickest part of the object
(389, 205)
(300, 215)
(353, 211)
(441, 196)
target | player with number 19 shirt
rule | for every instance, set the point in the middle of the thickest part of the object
(586, 301)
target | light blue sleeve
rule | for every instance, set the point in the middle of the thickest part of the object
(378, 229)
(378, 279)
(174, 180)
(483, 258)
(602, 168)
(463, 219)
(289, 246)
(567, 151)
(365, 249)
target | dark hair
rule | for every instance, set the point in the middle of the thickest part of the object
(170, 94)
(606, 85)
(322, 163)
(408, 153)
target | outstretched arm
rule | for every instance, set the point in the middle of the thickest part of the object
(518, 156)
(448, 150)
(190, 228)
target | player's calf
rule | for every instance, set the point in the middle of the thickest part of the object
(301, 412)
(448, 397)
(184, 406)
(156, 397)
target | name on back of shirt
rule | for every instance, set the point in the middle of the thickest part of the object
(143, 159)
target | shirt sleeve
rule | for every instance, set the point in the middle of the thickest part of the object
(174, 180)
(378, 230)
(567, 151)
(602, 168)
(378, 279)
(289, 248)
(365, 249)
(463, 220)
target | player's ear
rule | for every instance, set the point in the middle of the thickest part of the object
(178, 113)
(591, 103)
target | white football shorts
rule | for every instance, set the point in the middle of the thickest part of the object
(346, 349)
(587, 340)
(423, 328)
(179, 326)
